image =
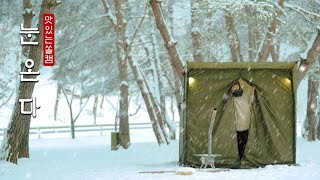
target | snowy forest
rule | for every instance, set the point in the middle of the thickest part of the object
(123, 62)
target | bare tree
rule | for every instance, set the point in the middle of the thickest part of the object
(311, 118)
(73, 118)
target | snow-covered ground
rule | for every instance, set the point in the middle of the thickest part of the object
(91, 158)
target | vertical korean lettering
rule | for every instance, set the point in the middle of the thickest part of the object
(48, 39)
(27, 39)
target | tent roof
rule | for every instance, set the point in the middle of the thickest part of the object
(293, 66)
(240, 65)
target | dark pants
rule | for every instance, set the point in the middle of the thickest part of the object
(242, 137)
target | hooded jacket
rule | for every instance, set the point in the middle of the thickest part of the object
(242, 106)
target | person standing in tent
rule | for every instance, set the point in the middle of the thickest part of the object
(242, 101)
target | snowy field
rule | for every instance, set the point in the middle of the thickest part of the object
(91, 158)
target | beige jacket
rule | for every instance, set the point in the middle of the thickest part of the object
(243, 109)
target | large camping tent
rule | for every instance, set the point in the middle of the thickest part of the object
(271, 138)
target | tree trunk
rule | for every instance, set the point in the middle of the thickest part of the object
(69, 102)
(101, 104)
(57, 101)
(311, 118)
(252, 43)
(258, 39)
(124, 46)
(24, 144)
(71, 122)
(177, 93)
(234, 41)
(153, 59)
(19, 126)
(318, 126)
(146, 97)
(172, 107)
(312, 55)
(196, 22)
(275, 52)
(122, 65)
(210, 29)
(124, 107)
(172, 134)
(272, 30)
(169, 42)
(161, 99)
(27, 21)
(95, 107)
(156, 108)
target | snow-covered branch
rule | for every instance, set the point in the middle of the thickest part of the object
(135, 33)
(111, 18)
(75, 119)
(6, 101)
(137, 110)
(82, 41)
(302, 11)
